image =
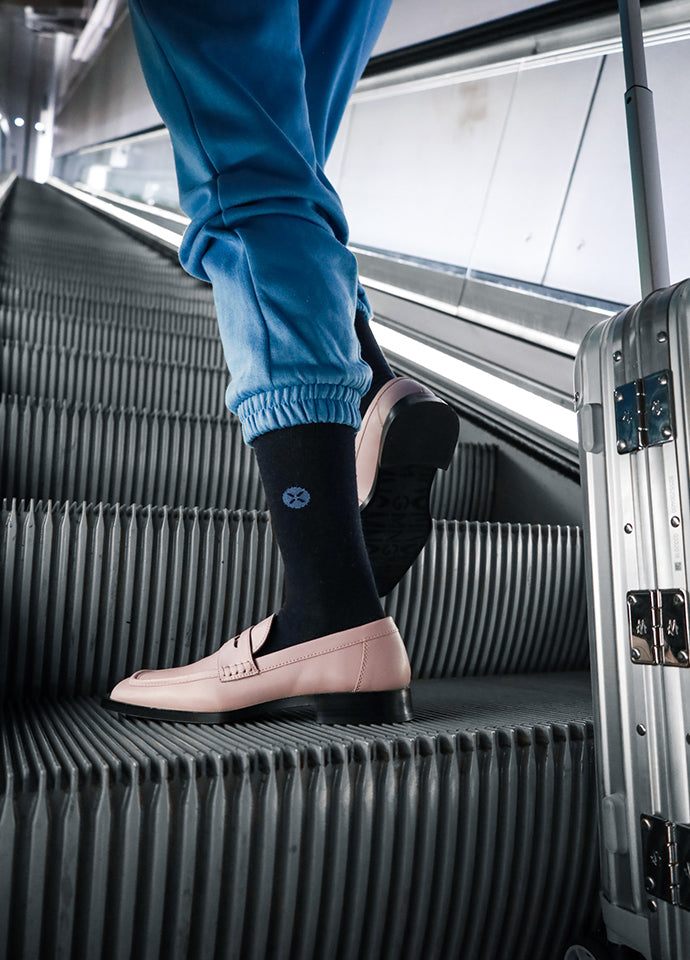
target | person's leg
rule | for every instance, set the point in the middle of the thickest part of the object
(268, 230)
(337, 42)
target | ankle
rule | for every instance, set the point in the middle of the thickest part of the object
(371, 354)
(291, 627)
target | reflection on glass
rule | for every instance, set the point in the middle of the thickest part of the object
(140, 168)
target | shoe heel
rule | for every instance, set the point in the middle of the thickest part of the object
(419, 430)
(378, 706)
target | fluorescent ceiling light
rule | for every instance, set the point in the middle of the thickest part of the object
(511, 397)
(376, 88)
(98, 24)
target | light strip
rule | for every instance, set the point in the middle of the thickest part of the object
(539, 410)
(6, 187)
(137, 205)
(584, 51)
(168, 237)
(548, 340)
(97, 25)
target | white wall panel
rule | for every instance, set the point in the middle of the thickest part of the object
(111, 100)
(595, 250)
(417, 167)
(535, 160)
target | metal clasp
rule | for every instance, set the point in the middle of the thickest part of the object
(658, 627)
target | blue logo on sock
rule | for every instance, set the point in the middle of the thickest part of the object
(296, 497)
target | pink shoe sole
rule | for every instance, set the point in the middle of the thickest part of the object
(407, 435)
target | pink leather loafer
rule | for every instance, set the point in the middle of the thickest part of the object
(360, 675)
(407, 434)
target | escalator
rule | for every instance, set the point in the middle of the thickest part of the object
(133, 533)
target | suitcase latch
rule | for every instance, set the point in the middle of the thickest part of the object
(666, 860)
(658, 627)
(644, 412)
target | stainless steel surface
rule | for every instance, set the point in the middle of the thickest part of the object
(644, 155)
(644, 491)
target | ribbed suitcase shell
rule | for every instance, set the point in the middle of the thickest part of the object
(638, 516)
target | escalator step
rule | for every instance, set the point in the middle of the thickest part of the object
(91, 593)
(92, 377)
(468, 833)
(108, 284)
(156, 339)
(200, 313)
(70, 451)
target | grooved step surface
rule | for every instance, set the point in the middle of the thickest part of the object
(468, 833)
(64, 373)
(155, 341)
(91, 593)
(56, 450)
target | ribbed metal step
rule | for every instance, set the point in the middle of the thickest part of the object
(93, 377)
(57, 301)
(154, 341)
(91, 593)
(40, 273)
(469, 833)
(69, 451)
(71, 310)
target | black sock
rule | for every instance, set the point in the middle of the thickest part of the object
(371, 353)
(308, 473)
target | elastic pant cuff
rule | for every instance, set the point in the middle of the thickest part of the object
(291, 406)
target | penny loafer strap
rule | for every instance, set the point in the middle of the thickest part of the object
(235, 658)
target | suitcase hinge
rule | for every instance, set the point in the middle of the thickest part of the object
(666, 860)
(644, 412)
(658, 627)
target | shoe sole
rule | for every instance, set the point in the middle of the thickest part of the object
(379, 706)
(419, 437)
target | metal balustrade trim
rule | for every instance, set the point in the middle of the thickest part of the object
(91, 593)
(146, 840)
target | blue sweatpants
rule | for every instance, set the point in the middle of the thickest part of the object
(252, 92)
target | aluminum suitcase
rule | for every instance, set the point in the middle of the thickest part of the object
(633, 403)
